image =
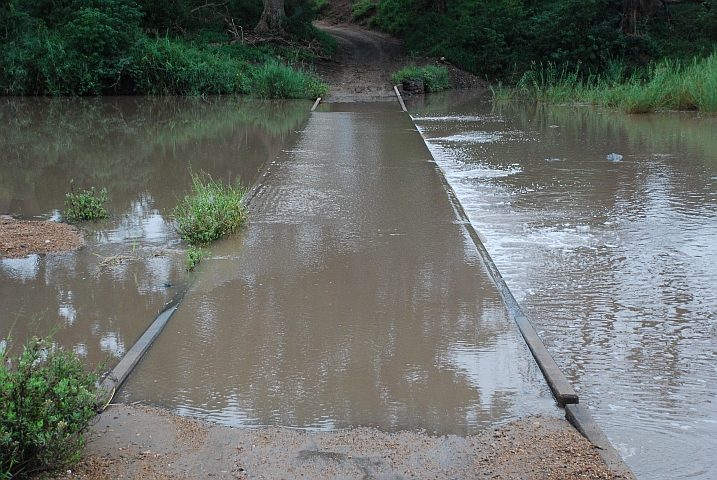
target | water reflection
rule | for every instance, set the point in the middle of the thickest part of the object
(354, 297)
(141, 149)
(613, 260)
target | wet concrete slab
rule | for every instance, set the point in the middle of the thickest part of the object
(354, 297)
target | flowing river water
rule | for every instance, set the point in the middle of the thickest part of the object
(612, 260)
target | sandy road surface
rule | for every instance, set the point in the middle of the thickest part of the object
(362, 68)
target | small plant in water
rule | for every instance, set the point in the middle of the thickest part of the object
(84, 205)
(210, 212)
(46, 402)
(194, 256)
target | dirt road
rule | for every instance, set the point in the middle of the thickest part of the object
(362, 68)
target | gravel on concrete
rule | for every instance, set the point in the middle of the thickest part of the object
(142, 442)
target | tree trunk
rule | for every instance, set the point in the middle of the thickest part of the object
(271, 16)
(635, 10)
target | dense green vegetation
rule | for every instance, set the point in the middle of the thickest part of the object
(510, 40)
(435, 79)
(46, 401)
(668, 84)
(92, 47)
(501, 39)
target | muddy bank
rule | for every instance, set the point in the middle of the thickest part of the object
(145, 442)
(20, 238)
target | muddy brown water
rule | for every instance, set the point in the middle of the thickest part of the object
(102, 297)
(614, 261)
(353, 297)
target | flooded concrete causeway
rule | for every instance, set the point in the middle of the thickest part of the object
(353, 297)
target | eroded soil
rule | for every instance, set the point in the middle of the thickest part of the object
(20, 238)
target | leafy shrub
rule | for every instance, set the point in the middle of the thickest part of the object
(46, 402)
(276, 80)
(435, 79)
(84, 205)
(363, 9)
(194, 256)
(210, 212)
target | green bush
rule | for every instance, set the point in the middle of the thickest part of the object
(210, 212)
(84, 205)
(276, 80)
(435, 79)
(46, 402)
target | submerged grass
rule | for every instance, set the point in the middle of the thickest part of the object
(211, 211)
(668, 84)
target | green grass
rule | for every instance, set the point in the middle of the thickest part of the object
(211, 211)
(276, 80)
(666, 85)
(435, 79)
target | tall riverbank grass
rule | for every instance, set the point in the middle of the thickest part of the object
(667, 85)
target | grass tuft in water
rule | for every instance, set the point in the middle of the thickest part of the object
(194, 256)
(211, 211)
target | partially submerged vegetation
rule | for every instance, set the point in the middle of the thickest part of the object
(434, 78)
(669, 84)
(47, 400)
(84, 205)
(212, 211)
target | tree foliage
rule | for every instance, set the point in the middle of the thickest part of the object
(92, 47)
(499, 38)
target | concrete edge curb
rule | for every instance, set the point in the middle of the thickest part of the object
(562, 390)
(400, 99)
(124, 368)
(579, 416)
